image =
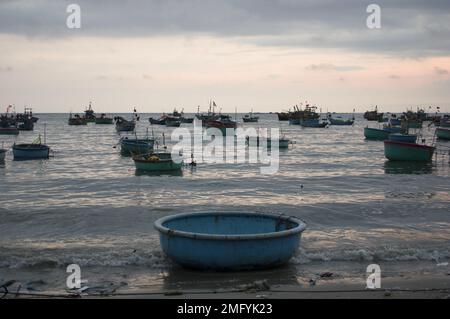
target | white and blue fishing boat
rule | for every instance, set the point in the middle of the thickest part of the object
(135, 146)
(34, 150)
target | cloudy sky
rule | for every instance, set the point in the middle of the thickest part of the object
(262, 54)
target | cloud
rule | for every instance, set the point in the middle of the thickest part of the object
(412, 28)
(332, 67)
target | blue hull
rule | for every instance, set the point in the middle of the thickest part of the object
(407, 138)
(229, 241)
(23, 152)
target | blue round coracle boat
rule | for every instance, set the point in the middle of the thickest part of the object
(229, 240)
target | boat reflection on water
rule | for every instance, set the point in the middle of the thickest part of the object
(403, 167)
(158, 173)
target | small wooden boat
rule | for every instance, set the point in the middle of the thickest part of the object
(156, 161)
(229, 240)
(103, 119)
(135, 146)
(2, 154)
(10, 130)
(160, 121)
(407, 138)
(340, 121)
(30, 151)
(313, 123)
(123, 125)
(443, 133)
(76, 120)
(401, 151)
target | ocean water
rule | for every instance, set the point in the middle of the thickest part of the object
(87, 205)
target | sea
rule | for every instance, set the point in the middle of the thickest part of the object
(87, 205)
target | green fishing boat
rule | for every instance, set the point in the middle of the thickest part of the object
(443, 133)
(376, 134)
(156, 162)
(401, 151)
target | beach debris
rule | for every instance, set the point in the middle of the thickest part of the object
(326, 275)
(258, 285)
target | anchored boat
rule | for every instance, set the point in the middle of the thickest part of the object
(156, 162)
(443, 133)
(35, 150)
(123, 125)
(229, 240)
(250, 118)
(103, 119)
(401, 151)
(340, 121)
(135, 146)
(313, 123)
(76, 120)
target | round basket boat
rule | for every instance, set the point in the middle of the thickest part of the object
(229, 240)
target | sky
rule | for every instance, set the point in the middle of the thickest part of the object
(265, 55)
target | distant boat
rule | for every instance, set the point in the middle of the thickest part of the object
(443, 133)
(187, 120)
(103, 119)
(26, 125)
(89, 114)
(2, 154)
(395, 122)
(76, 120)
(173, 121)
(250, 118)
(34, 150)
(160, 121)
(282, 142)
(10, 130)
(401, 151)
(376, 134)
(157, 161)
(123, 125)
(135, 146)
(373, 115)
(407, 138)
(313, 123)
(223, 123)
(340, 121)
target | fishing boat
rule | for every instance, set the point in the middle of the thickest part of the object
(282, 142)
(186, 120)
(123, 125)
(223, 123)
(283, 116)
(160, 121)
(376, 134)
(103, 119)
(443, 133)
(89, 114)
(156, 161)
(135, 146)
(76, 120)
(229, 240)
(25, 124)
(34, 150)
(373, 115)
(173, 121)
(27, 114)
(10, 130)
(313, 123)
(2, 154)
(250, 118)
(399, 137)
(340, 121)
(401, 151)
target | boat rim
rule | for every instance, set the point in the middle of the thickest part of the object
(299, 228)
(30, 146)
(409, 144)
